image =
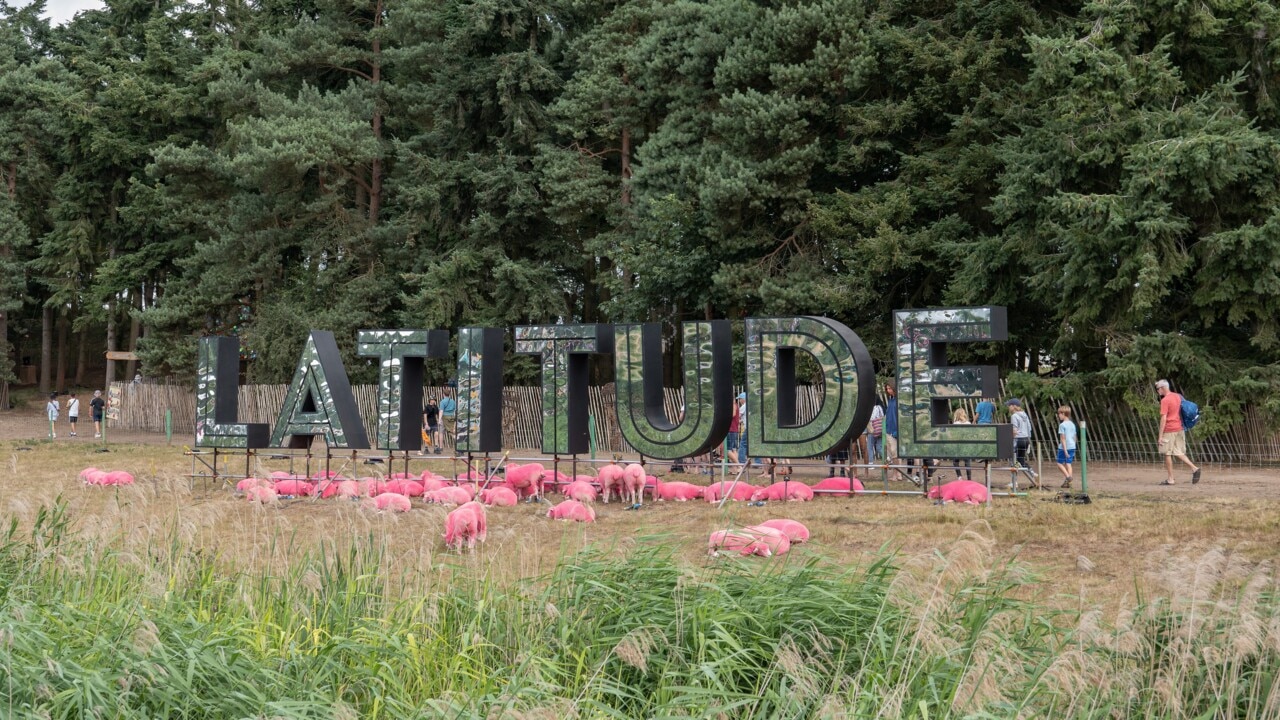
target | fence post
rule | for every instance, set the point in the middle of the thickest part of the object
(1084, 461)
(168, 426)
(591, 434)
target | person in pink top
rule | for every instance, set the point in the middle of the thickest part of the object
(1173, 438)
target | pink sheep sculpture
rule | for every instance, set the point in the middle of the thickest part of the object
(501, 496)
(742, 491)
(261, 494)
(961, 491)
(580, 490)
(467, 523)
(796, 532)
(677, 491)
(341, 489)
(838, 486)
(297, 488)
(737, 541)
(390, 502)
(779, 491)
(777, 540)
(448, 496)
(610, 479)
(572, 510)
(633, 482)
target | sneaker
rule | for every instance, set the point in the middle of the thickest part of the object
(1066, 485)
(55, 436)
(915, 480)
(97, 435)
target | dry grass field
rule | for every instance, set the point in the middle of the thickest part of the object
(1141, 564)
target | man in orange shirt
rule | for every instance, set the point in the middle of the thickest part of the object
(1173, 439)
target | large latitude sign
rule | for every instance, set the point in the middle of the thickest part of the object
(319, 401)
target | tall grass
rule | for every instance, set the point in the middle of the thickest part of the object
(88, 629)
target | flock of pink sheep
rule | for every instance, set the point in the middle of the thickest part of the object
(468, 522)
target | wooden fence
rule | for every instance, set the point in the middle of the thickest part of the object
(1117, 433)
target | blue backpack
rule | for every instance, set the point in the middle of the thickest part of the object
(1190, 413)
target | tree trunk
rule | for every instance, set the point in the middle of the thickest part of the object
(46, 349)
(111, 342)
(135, 329)
(81, 356)
(6, 350)
(61, 384)
(375, 172)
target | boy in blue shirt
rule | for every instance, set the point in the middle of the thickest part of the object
(1066, 444)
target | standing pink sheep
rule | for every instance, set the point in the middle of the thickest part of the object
(796, 532)
(499, 496)
(610, 477)
(526, 480)
(633, 482)
(466, 523)
(572, 510)
(580, 490)
(778, 491)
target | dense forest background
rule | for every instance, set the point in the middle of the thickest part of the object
(1109, 170)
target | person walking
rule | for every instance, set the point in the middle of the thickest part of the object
(51, 409)
(735, 429)
(875, 434)
(985, 414)
(430, 427)
(1172, 441)
(960, 417)
(1066, 445)
(449, 417)
(73, 412)
(1021, 442)
(97, 405)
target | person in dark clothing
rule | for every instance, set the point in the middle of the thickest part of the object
(430, 427)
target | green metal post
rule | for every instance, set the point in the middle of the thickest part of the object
(168, 427)
(1084, 461)
(591, 432)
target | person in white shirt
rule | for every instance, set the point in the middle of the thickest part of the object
(52, 410)
(73, 412)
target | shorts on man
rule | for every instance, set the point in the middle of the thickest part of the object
(1066, 457)
(1173, 443)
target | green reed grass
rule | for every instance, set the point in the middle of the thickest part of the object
(92, 631)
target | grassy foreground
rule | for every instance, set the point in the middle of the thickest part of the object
(91, 630)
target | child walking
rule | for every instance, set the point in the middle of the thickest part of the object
(52, 410)
(1066, 444)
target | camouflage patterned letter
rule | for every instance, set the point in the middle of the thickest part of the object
(319, 400)
(400, 356)
(564, 350)
(480, 360)
(217, 385)
(708, 389)
(927, 384)
(848, 386)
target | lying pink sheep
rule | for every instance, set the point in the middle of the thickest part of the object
(633, 481)
(85, 473)
(572, 510)
(610, 479)
(678, 491)
(323, 475)
(448, 496)
(796, 532)
(282, 475)
(560, 479)
(245, 484)
(742, 491)
(372, 487)
(434, 483)
(403, 486)
(779, 491)
(390, 502)
(298, 488)
(961, 491)
(580, 490)
(737, 541)
(591, 480)
(471, 476)
(97, 477)
(401, 476)
(501, 496)
(467, 523)
(838, 485)
(341, 489)
(776, 540)
(261, 494)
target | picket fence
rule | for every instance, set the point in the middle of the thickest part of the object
(1116, 431)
